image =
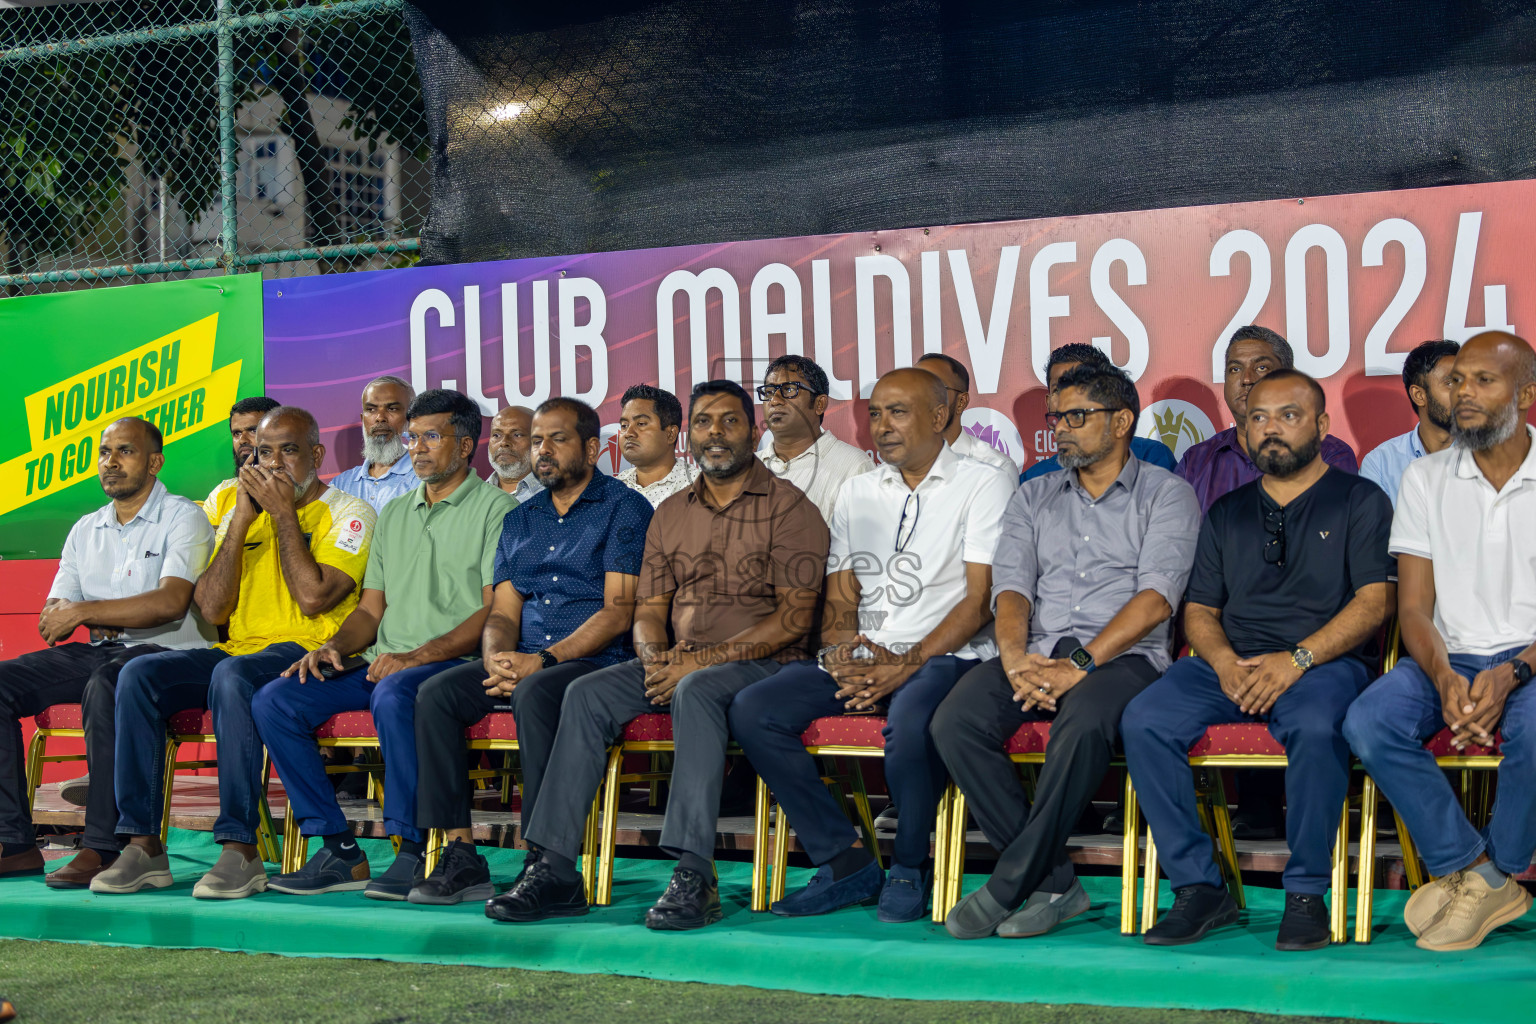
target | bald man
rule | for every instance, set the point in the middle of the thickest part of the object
(510, 450)
(126, 572)
(909, 581)
(286, 567)
(1466, 604)
(386, 470)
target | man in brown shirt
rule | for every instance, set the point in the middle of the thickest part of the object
(731, 575)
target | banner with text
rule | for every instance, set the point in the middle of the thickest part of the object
(1353, 281)
(177, 354)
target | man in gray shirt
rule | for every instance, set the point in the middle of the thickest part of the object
(1090, 565)
(126, 573)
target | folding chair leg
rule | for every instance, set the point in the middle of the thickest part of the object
(958, 817)
(35, 751)
(436, 840)
(1338, 918)
(1149, 886)
(266, 830)
(1366, 882)
(780, 857)
(942, 841)
(1130, 859)
(760, 849)
(167, 786)
(589, 845)
(1221, 819)
(610, 828)
(1412, 868)
(866, 818)
(295, 847)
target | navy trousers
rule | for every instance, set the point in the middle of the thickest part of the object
(1161, 724)
(767, 719)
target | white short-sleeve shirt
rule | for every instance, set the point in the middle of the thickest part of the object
(821, 470)
(1482, 543)
(904, 594)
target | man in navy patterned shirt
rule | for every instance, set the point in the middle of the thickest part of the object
(566, 571)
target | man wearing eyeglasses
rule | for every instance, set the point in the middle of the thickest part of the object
(1292, 578)
(425, 597)
(1091, 562)
(908, 586)
(795, 399)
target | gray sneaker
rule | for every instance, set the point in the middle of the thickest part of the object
(75, 791)
(133, 870)
(232, 877)
(1044, 911)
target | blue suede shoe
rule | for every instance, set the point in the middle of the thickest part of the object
(905, 896)
(822, 895)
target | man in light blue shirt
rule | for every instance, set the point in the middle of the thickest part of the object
(386, 471)
(509, 450)
(1425, 374)
(1065, 358)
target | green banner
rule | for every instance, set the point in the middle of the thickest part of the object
(178, 354)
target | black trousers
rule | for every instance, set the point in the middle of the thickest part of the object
(970, 730)
(84, 674)
(453, 700)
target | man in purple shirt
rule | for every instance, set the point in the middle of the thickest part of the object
(1219, 464)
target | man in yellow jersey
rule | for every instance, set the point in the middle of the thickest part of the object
(287, 561)
(244, 417)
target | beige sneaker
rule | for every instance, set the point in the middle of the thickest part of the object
(133, 870)
(232, 877)
(1428, 900)
(1474, 910)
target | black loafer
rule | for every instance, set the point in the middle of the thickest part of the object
(1305, 924)
(692, 900)
(1196, 910)
(538, 896)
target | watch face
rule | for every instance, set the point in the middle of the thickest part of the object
(1082, 659)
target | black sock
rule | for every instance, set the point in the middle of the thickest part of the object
(411, 846)
(344, 845)
(12, 849)
(693, 862)
(1060, 879)
(853, 859)
(561, 866)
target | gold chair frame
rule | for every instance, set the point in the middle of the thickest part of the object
(295, 850)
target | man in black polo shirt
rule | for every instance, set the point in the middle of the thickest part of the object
(1292, 576)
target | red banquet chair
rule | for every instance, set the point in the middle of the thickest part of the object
(854, 737)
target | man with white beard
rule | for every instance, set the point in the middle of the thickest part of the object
(386, 470)
(509, 449)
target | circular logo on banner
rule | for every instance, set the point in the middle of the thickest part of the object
(610, 457)
(1176, 423)
(992, 427)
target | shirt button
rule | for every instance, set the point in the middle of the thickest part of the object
(546, 600)
(561, 520)
(1081, 575)
(1085, 538)
(551, 547)
(1077, 607)
(555, 578)
(547, 637)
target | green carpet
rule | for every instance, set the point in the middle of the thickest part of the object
(849, 953)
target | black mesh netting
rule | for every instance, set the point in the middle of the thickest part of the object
(602, 126)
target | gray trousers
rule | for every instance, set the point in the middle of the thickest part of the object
(593, 715)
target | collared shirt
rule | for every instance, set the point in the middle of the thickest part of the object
(970, 447)
(1147, 449)
(952, 517)
(432, 561)
(104, 560)
(557, 563)
(1078, 560)
(678, 477)
(1220, 464)
(1384, 464)
(220, 500)
(1481, 544)
(821, 470)
(722, 565)
(338, 529)
(526, 488)
(378, 491)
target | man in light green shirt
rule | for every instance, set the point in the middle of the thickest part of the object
(426, 593)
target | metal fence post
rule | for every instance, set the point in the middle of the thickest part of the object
(228, 164)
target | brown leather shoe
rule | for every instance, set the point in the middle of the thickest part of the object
(77, 874)
(28, 862)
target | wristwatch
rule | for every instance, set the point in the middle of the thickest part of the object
(548, 658)
(1082, 659)
(1522, 671)
(1301, 658)
(821, 656)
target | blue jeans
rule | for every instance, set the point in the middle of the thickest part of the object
(288, 713)
(1387, 728)
(1161, 724)
(153, 688)
(768, 717)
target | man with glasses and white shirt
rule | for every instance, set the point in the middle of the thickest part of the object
(795, 399)
(908, 592)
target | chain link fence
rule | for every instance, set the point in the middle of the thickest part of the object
(150, 138)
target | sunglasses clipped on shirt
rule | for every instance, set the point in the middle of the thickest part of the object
(1274, 548)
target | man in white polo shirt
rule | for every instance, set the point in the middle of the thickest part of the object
(794, 397)
(1466, 558)
(909, 583)
(126, 573)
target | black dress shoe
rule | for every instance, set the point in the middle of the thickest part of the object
(539, 895)
(1305, 924)
(1196, 910)
(692, 900)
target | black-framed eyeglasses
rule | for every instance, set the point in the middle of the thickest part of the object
(1274, 548)
(1074, 417)
(788, 391)
(910, 510)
